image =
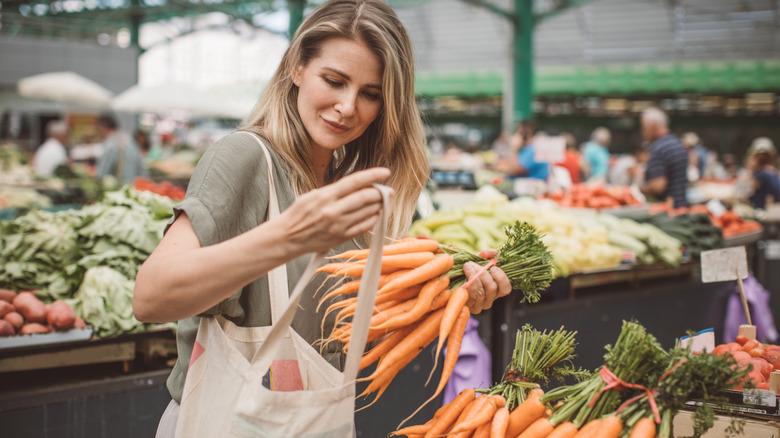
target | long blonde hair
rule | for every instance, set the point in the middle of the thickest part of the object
(395, 140)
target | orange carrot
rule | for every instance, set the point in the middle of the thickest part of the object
(453, 351)
(481, 413)
(390, 264)
(451, 414)
(538, 429)
(525, 414)
(412, 430)
(564, 430)
(440, 264)
(384, 346)
(644, 428)
(590, 430)
(411, 345)
(500, 400)
(458, 300)
(610, 427)
(421, 305)
(405, 246)
(482, 431)
(467, 411)
(353, 286)
(500, 423)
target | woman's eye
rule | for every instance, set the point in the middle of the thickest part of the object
(372, 96)
(331, 82)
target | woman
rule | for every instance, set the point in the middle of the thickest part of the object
(761, 157)
(338, 115)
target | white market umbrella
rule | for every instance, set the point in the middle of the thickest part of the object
(66, 87)
(172, 99)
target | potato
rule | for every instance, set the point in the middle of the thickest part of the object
(61, 316)
(79, 324)
(30, 307)
(6, 308)
(5, 328)
(7, 295)
(15, 319)
(33, 328)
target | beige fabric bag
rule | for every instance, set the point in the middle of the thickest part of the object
(226, 393)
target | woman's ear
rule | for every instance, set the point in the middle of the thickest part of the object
(296, 75)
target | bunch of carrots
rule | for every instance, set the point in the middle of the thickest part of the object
(416, 302)
(602, 406)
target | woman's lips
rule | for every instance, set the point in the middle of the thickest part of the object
(335, 127)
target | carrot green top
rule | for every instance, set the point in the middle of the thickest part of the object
(226, 196)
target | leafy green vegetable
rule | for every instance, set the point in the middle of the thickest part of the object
(523, 257)
(105, 301)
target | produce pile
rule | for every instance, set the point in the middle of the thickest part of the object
(578, 241)
(164, 188)
(25, 314)
(423, 295)
(87, 257)
(731, 223)
(637, 391)
(696, 232)
(596, 196)
(764, 359)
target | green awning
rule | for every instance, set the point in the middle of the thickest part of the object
(625, 79)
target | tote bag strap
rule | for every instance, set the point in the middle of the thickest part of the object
(366, 294)
(277, 278)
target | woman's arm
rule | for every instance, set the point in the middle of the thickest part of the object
(182, 279)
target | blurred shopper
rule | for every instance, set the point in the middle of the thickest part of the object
(53, 152)
(572, 160)
(596, 154)
(121, 157)
(666, 171)
(340, 107)
(525, 164)
(629, 169)
(760, 162)
(697, 156)
(501, 147)
(143, 142)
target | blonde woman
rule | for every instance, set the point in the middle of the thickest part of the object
(338, 116)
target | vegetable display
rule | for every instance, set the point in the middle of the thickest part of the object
(53, 253)
(634, 394)
(23, 313)
(422, 296)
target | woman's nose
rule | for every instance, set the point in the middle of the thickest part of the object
(346, 103)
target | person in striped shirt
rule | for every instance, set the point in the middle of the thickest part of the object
(666, 171)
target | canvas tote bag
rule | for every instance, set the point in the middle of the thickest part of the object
(226, 393)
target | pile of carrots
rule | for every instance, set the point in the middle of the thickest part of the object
(414, 306)
(730, 222)
(596, 196)
(764, 358)
(165, 188)
(486, 416)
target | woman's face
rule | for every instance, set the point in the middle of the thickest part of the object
(339, 93)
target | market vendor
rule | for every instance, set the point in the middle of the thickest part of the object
(760, 163)
(53, 152)
(338, 116)
(666, 174)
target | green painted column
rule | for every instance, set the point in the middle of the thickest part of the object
(523, 68)
(296, 15)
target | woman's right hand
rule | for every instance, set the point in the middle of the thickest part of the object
(333, 214)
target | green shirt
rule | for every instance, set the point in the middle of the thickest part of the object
(228, 195)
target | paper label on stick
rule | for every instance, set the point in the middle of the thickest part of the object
(549, 149)
(723, 264)
(703, 341)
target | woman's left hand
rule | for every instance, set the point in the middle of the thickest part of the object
(491, 285)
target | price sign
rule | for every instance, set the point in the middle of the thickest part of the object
(549, 149)
(723, 264)
(716, 207)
